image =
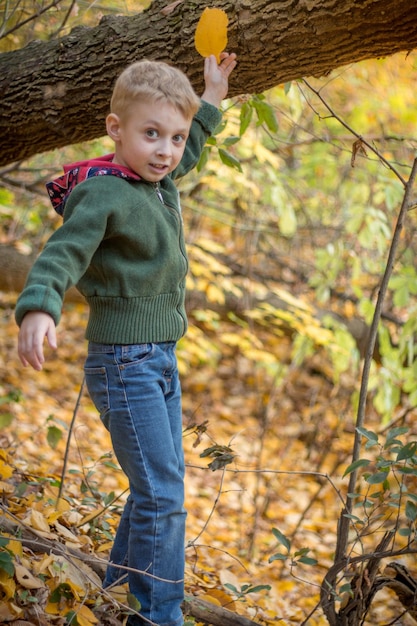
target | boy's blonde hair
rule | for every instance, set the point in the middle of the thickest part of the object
(153, 81)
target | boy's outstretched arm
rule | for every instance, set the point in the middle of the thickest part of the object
(216, 77)
(35, 326)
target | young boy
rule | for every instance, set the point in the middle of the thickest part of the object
(122, 244)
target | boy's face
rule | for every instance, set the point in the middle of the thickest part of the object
(150, 139)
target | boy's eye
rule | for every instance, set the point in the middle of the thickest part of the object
(178, 138)
(152, 133)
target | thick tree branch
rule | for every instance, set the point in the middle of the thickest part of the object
(56, 93)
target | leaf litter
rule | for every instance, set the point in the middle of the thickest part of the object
(274, 450)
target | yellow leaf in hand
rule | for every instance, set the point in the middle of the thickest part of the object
(211, 33)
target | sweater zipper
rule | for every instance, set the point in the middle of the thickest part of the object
(183, 254)
(158, 192)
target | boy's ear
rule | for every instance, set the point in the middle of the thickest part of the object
(113, 126)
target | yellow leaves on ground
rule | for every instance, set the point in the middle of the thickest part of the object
(220, 598)
(7, 586)
(57, 584)
(6, 469)
(36, 520)
(211, 33)
(25, 578)
(70, 582)
(9, 612)
(85, 616)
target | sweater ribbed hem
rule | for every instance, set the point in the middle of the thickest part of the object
(151, 319)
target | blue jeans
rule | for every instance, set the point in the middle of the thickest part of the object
(137, 392)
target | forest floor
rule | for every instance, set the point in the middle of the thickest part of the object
(289, 446)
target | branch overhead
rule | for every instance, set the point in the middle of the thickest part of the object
(57, 93)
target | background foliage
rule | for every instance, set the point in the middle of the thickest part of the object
(289, 221)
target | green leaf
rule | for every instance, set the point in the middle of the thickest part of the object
(407, 470)
(258, 588)
(277, 557)
(229, 160)
(407, 451)
(133, 602)
(354, 518)
(394, 433)
(346, 588)
(375, 479)
(63, 590)
(6, 419)
(353, 466)
(282, 539)
(6, 563)
(307, 560)
(411, 511)
(203, 158)
(368, 434)
(230, 141)
(246, 113)
(405, 532)
(266, 114)
(54, 436)
(71, 618)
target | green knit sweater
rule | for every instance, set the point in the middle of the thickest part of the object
(124, 250)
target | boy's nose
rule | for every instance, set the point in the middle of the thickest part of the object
(164, 148)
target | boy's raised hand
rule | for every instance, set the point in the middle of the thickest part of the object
(35, 326)
(216, 77)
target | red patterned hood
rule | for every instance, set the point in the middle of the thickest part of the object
(75, 173)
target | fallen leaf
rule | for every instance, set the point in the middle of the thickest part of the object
(37, 521)
(7, 585)
(6, 487)
(85, 616)
(66, 533)
(9, 611)
(119, 593)
(25, 578)
(6, 470)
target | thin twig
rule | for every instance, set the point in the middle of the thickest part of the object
(71, 428)
(355, 134)
(344, 520)
(32, 17)
(213, 508)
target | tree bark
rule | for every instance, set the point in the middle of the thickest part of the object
(209, 613)
(14, 269)
(57, 93)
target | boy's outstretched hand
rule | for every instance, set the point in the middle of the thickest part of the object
(36, 325)
(216, 77)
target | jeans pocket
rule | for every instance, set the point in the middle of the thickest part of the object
(136, 353)
(98, 388)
